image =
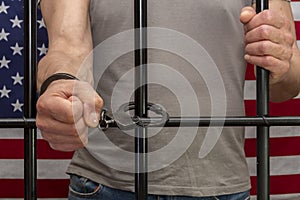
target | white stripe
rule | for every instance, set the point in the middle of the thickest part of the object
(47, 169)
(287, 165)
(281, 197)
(14, 133)
(298, 43)
(250, 90)
(276, 132)
(55, 169)
(296, 11)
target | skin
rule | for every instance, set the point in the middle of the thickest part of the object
(270, 42)
(63, 116)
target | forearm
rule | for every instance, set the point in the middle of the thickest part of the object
(70, 40)
(61, 62)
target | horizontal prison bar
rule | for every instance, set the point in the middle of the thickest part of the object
(184, 121)
(17, 123)
(229, 121)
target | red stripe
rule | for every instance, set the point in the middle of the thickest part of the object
(297, 26)
(288, 146)
(46, 188)
(14, 148)
(286, 184)
(250, 72)
(288, 108)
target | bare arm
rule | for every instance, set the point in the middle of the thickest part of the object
(64, 113)
(70, 41)
(270, 41)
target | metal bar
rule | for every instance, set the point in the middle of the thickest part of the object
(30, 60)
(140, 98)
(184, 121)
(220, 121)
(262, 109)
(225, 121)
(17, 123)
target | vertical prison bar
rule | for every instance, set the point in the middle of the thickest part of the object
(141, 98)
(30, 60)
(262, 109)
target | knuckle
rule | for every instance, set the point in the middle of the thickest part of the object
(289, 38)
(264, 32)
(263, 46)
(268, 61)
(41, 104)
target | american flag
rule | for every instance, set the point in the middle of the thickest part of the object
(53, 182)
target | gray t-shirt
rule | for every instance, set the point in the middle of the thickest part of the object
(196, 69)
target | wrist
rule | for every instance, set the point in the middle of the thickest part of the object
(55, 77)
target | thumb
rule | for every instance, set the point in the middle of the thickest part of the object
(247, 14)
(92, 103)
(91, 116)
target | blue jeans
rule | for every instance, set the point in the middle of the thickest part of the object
(83, 188)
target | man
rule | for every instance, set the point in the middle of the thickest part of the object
(68, 107)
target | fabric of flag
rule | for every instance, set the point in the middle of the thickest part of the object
(52, 180)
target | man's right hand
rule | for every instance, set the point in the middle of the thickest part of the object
(65, 111)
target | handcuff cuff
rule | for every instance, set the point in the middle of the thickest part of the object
(124, 121)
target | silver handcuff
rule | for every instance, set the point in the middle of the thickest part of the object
(124, 121)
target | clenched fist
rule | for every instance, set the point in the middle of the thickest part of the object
(268, 41)
(65, 111)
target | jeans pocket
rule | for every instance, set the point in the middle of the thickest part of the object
(237, 196)
(83, 187)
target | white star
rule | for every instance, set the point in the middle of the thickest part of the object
(43, 49)
(17, 79)
(17, 49)
(3, 35)
(3, 8)
(17, 106)
(42, 23)
(4, 63)
(4, 92)
(16, 22)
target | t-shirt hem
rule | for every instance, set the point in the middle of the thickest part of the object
(163, 189)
